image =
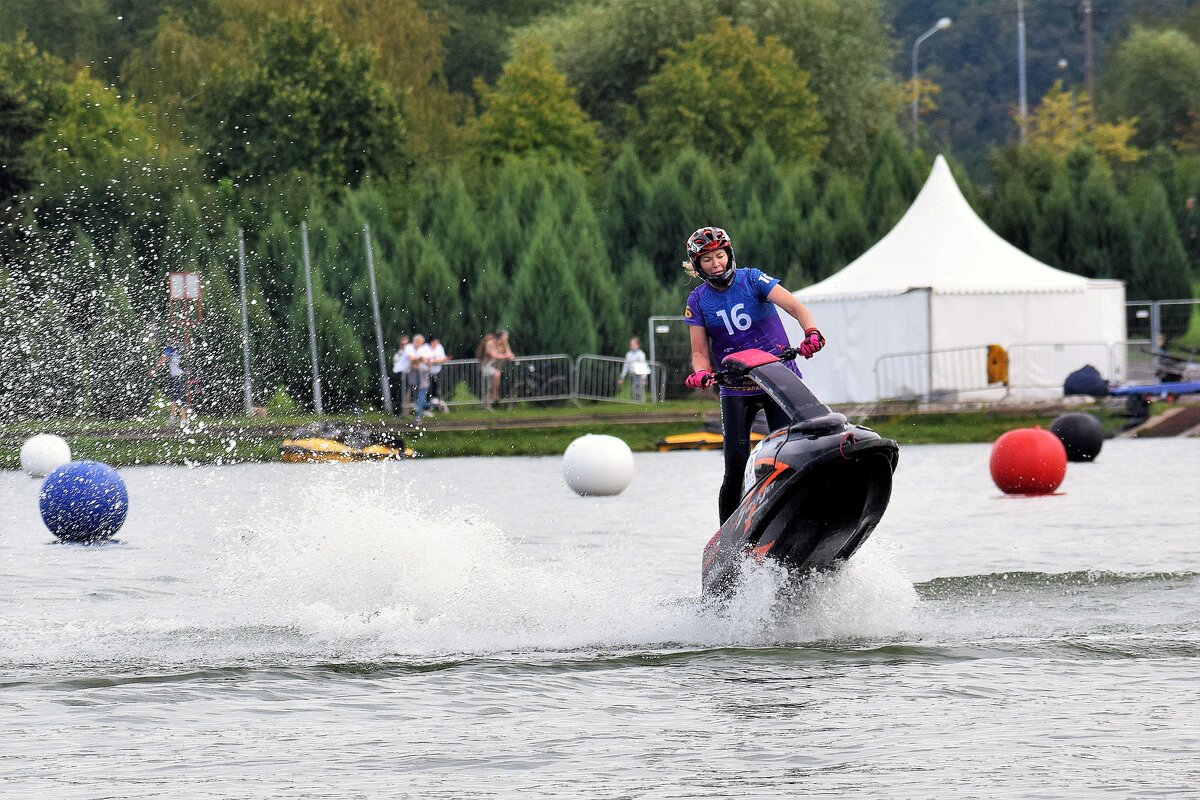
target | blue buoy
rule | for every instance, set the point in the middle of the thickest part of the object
(83, 501)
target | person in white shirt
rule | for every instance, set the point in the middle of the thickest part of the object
(421, 357)
(636, 366)
(400, 365)
(435, 371)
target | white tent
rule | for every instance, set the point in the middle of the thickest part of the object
(914, 315)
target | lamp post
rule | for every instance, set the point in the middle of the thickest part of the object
(1022, 103)
(940, 25)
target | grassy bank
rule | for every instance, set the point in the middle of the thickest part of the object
(515, 431)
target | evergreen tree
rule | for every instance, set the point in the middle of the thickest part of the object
(627, 197)
(889, 153)
(1052, 235)
(566, 191)
(1102, 237)
(883, 202)
(803, 189)
(118, 356)
(340, 356)
(45, 379)
(1160, 266)
(641, 291)
(455, 227)
(841, 205)
(489, 300)
(593, 271)
(545, 307)
(519, 185)
(822, 255)
(1081, 162)
(787, 230)
(759, 177)
(754, 240)
(278, 257)
(19, 124)
(686, 195)
(434, 305)
(506, 239)
(216, 353)
(268, 365)
(1015, 214)
(422, 198)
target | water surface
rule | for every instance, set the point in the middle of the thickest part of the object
(471, 628)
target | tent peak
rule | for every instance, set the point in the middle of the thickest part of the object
(941, 243)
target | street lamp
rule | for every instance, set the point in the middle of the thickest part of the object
(940, 25)
(1022, 103)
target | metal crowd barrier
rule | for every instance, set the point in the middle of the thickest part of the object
(526, 379)
(932, 376)
(599, 378)
(950, 374)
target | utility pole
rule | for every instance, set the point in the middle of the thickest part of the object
(384, 386)
(1023, 104)
(318, 406)
(1087, 52)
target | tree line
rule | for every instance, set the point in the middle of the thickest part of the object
(552, 199)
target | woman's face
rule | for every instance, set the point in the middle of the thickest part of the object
(714, 262)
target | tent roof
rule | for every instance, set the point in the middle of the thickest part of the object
(941, 244)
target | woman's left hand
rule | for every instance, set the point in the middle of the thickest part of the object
(813, 342)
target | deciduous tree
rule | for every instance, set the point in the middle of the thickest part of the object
(720, 90)
(1156, 78)
(1064, 119)
(532, 112)
(306, 103)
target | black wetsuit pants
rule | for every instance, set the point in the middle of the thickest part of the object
(737, 417)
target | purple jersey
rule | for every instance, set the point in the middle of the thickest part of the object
(739, 318)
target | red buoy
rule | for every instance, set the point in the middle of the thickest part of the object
(1028, 461)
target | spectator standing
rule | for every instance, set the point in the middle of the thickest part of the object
(489, 373)
(438, 355)
(400, 366)
(636, 367)
(503, 353)
(414, 369)
(412, 374)
(172, 357)
(422, 360)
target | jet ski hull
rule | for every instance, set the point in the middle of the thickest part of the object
(813, 492)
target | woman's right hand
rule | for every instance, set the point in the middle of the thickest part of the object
(701, 379)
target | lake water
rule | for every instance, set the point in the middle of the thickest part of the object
(470, 628)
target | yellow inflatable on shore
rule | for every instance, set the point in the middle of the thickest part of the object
(323, 442)
(700, 440)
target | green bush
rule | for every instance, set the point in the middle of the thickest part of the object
(281, 404)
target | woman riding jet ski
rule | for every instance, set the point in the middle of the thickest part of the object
(813, 490)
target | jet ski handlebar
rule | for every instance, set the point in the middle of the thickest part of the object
(737, 365)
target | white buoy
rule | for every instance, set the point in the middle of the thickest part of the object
(44, 453)
(598, 465)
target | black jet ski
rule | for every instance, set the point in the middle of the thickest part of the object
(814, 491)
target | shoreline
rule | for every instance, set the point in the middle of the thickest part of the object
(473, 432)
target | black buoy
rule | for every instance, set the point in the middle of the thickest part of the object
(1080, 433)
